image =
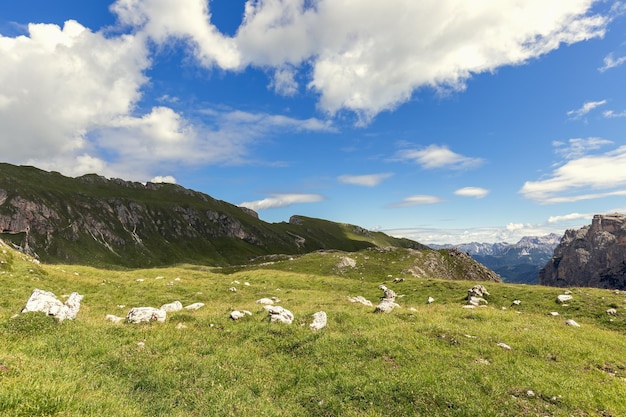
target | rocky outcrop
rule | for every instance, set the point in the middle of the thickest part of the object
(593, 256)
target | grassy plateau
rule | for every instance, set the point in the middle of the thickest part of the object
(436, 359)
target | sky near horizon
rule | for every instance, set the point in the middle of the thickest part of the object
(443, 121)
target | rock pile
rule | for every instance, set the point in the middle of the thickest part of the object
(46, 302)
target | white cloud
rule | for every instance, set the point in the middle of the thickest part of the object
(370, 180)
(577, 147)
(57, 84)
(163, 20)
(282, 200)
(167, 179)
(569, 217)
(610, 114)
(417, 200)
(611, 62)
(581, 178)
(284, 82)
(371, 56)
(586, 108)
(476, 192)
(435, 156)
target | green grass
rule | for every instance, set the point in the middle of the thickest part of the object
(420, 360)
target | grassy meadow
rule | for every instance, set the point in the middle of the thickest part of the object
(421, 359)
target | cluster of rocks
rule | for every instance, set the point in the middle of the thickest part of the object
(46, 302)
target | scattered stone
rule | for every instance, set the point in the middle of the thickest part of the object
(516, 303)
(475, 295)
(504, 346)
(141, 345)
(572, 323)
(477, 291)
(468, 306)
(176, 279)
(396, 280)
(232, 289)
(139, 280)
(346, 262)
(430, 300)
(387, 301)
(175, 306)
(413, 309)
(360, 299)
(279, 314)
(236, 315)
(180, 326)
(611, 312)
(247, 284)
(235, 282)
(113, 318)
(563, 298)
(319, 321)
(265, 301)
(567, 292)
(46, 302)
(194, 306)
(145, 315)
(530, 393)
(554, 313)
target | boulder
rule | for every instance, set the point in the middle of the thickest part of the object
(279, 314)
(572, 323)
(46, 302)
(477, 291)
(145, 315)
(319, 321)
(175, 306)
(611, 312)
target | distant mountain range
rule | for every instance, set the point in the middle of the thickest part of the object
(515, 262)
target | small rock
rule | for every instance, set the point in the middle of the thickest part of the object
(279, 314)
(265, 301)
(360, 299)
(175, 306)
(572, 323)
(611, 312)
(319, 321)
(554, 313)
(396, 280)
(563, 298)
(516, 303)
(530, 393)
(180, 326)
(145, 315)
(141, 345)
(232, 289)
(504, 346)
(194, 306)
(430, 300)
(236, 315)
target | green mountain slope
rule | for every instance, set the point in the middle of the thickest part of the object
(101, 221)
(436, 359)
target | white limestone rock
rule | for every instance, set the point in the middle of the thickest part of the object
(387, 301)
(319, 321)
(46, 302)
(194, 306)
(171, 307)
(611, 312)
(430, 300)
(265, 301)
(476, 301)
(236, 315)
(504, 346)
(279, 314)
(572, 323)
(361, 300)
(146, 315)
(563, 298)
(477, 291)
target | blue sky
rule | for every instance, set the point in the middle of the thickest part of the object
(445, 122)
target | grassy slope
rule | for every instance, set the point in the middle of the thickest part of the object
(407, 362)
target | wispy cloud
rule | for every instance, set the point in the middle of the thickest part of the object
(570, 217)
(610, 114)
(370, 180)
(585, 177)
(282, 200)
(438, 156)
(167, 179)
(475, 192)
(611, 62)
(577, 147)
(417, 200)
(586, 108)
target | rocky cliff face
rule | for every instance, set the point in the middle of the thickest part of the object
(593, 256)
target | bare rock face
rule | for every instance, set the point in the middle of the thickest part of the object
(593, 256)
(46, 302)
